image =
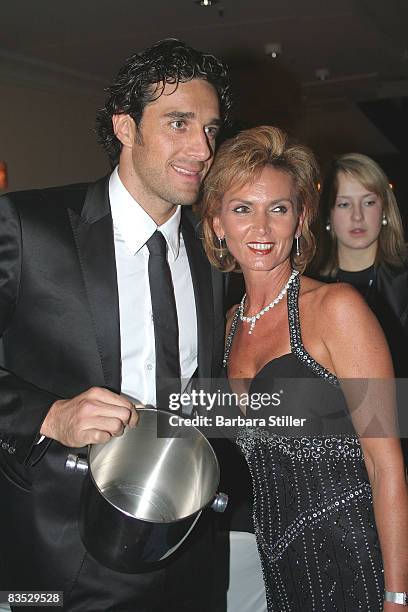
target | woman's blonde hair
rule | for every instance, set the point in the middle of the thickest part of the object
(241, 160)
(391, 245)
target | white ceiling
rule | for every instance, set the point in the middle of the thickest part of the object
(363, 44)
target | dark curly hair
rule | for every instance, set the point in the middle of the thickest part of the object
(141, 80)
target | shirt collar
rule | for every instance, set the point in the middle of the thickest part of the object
(132, 223)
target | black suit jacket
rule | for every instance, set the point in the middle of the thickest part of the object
(392, 283)
(59, 323)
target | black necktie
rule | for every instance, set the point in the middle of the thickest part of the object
(165, 321)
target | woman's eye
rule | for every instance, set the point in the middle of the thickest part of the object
(342, 204)
(241, 209)
(369, 202)
(280, 209)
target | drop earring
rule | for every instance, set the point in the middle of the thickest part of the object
(384, 221)
(298, 252)
(220, 240)
(328, 226)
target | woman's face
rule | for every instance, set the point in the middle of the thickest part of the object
(259, 220)
(357, 214)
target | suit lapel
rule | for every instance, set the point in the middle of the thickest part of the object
(93, 232)
(392, 282)
(203, 293)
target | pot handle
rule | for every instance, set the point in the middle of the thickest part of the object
(75, 463)
(220, 502)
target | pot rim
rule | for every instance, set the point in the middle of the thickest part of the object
(151, 521)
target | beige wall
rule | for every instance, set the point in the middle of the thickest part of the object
(46, 135)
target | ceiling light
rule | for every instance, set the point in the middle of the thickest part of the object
(206, 2)
(273, 49)
(322, 74)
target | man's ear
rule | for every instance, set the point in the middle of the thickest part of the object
(124, 129)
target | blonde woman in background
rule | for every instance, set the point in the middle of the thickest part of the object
(361, 242)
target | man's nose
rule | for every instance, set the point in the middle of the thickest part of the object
(199, 146)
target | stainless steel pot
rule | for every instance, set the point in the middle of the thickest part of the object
(142, 494)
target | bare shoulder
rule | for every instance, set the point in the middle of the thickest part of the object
(338, 314)
(345, 307)
(334, 301)
(349, 330)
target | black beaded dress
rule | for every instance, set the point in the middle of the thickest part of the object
(313, 512)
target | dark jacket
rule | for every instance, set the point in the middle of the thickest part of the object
(59, 322)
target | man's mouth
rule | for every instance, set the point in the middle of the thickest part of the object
(187, 172)
(261, 247)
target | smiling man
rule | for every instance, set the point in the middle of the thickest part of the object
(165, 157)
(106, 292)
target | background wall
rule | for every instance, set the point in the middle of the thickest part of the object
(46, 135)
(333, 96)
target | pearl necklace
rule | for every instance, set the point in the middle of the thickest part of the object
(252, 320)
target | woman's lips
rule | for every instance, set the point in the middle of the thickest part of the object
(357, 231)
(261, 248)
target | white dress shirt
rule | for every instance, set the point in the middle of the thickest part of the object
(132, 229)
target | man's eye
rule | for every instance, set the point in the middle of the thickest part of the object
(178, 124)
(212, 131)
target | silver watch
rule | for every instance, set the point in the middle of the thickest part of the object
(397, 598)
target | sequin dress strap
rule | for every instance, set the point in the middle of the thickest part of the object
(296, 343)
(230, 337)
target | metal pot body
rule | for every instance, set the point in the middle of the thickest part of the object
(143, 494)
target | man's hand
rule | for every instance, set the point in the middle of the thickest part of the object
(92, 417)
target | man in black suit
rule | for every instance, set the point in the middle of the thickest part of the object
(76, 324)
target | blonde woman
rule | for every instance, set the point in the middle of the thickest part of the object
(361, 242)
(330, 510)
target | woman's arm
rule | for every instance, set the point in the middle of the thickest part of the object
(358, 350)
